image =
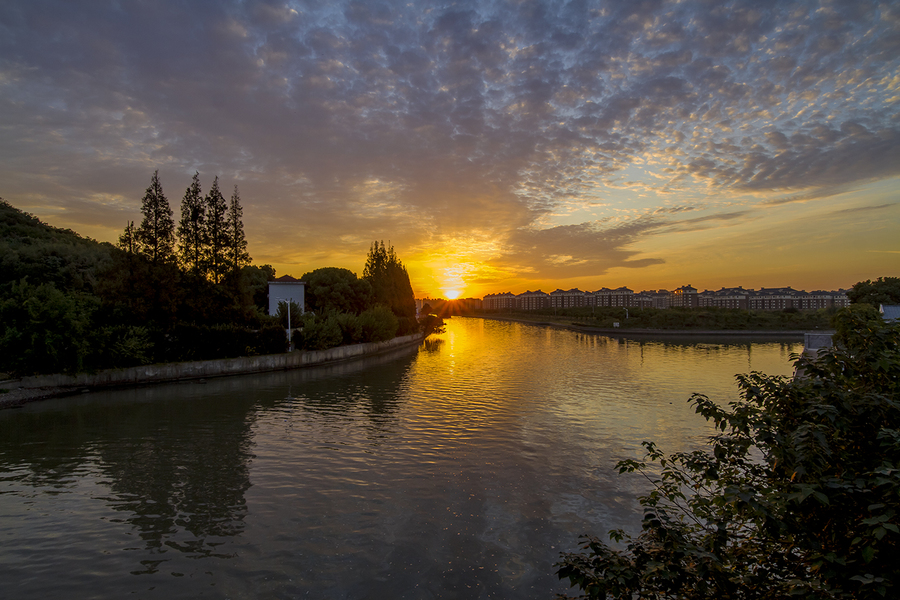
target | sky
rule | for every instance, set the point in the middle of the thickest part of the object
(497, 145)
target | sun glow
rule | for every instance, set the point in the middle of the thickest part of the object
(452, 294)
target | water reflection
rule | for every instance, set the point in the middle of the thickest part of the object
(456, 470)
(176, 471)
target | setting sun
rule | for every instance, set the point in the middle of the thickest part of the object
(451, 294)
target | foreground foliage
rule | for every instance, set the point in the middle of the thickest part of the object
(797, 496)
(884, 290)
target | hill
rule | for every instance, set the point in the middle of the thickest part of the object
(42, 253)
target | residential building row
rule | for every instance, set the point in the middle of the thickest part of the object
(683, 297)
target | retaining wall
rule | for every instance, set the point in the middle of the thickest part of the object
(202, 369)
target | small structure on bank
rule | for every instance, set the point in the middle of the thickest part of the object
(286, 289)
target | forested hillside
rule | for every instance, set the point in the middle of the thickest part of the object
(45, 254)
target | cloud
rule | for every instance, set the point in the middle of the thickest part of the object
(875, 208)
(576, 250)
(484, 117)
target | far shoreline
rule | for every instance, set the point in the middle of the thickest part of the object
(626, 332)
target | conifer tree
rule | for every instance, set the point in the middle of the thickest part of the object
(192, 228)
(390, 284)
(128, 239)
(238, 256)
(216, 233)
(156, 235)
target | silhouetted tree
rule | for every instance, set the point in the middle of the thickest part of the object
(390, 285)
(156, 235)
(192, 228)
(216, 233)
(337, 290)
(238, 257)
(128, 240)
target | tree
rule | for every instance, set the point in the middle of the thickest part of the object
(192, 228)
(238, 257)
(156, 235)
(128, 239)
(336, 290)
(390, 285)
(290, 313)
(216, 233)
(884, 290)
(796, 496)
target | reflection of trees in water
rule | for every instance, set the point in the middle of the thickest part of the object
(38, 446)
(175, 457)
(176, 468)
(180, 472)
(433, 345)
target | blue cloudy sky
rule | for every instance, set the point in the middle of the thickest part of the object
(497, 145)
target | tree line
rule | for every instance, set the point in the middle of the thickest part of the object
(170, 292)
(209, 240)
(344, 309)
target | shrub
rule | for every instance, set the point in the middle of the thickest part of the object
(319, 332)
(45, 330)
(351, 329)
(378, 324)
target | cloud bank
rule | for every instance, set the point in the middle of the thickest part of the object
(421, 122)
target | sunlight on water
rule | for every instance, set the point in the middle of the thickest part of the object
(456, 470)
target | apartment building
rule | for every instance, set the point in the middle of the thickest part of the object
(606, 297)
(567, 298)
(684, 297)
(504, 301)
(533, 300)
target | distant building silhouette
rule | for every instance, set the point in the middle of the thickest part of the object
(685, 296)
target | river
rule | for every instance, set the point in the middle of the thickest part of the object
(458, 469)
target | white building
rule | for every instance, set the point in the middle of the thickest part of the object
(286, 289)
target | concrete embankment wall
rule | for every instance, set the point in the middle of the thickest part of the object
(202, 369)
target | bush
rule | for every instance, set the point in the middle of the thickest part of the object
(378, 324)
(319, 332)
(796, 496)
(189, 341)
(431, 324)
(292, 310)
(44, 330)
(122, 346)
(351, 329)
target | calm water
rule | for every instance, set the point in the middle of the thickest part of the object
(456, 470)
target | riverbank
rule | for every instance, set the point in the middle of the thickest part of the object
(40, 387)
(625, 332)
